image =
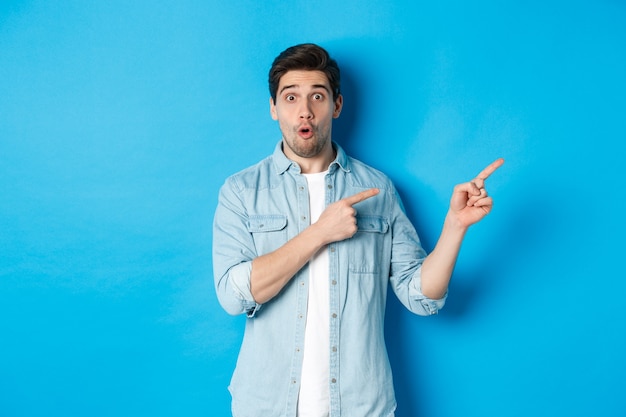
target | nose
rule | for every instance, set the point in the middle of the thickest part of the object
(305, 112)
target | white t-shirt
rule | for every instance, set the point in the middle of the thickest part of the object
(314, 387)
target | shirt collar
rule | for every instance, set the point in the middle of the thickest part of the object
(282, 163)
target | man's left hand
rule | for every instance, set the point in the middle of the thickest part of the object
(470, 201)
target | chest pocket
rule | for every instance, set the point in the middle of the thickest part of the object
(367, 246)
(372, 224)
(269, 231)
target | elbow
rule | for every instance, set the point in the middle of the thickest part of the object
(234, 303)
(230, 301)
(233, 290)
(231, 305)
(434, 294)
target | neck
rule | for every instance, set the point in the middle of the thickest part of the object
(315, 164)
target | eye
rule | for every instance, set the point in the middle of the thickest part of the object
(290, 97)
(318, 96)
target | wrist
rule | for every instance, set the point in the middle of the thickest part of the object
(453, 224)
(314, 235)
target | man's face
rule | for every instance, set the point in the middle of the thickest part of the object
(304, 109)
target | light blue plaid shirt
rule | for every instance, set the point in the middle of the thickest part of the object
(259, 210)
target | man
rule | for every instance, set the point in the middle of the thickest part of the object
(306, 244)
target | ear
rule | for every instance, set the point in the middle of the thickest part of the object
(273, 109)
(338, 106)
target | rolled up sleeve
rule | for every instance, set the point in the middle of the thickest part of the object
(233, 251)
(428, 306)
(406, 266)
(239, 280)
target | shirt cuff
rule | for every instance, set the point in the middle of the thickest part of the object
(240, 282)
(431, 306)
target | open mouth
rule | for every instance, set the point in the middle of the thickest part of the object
(306, 132)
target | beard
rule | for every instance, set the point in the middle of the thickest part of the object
(307, 148)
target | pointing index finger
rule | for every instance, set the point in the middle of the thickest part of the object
(363, 195)
(485, 173)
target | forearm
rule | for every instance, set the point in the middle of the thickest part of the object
(272, 271)
(439, 264)
(469, 204)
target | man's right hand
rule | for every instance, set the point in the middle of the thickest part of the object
(338, 221)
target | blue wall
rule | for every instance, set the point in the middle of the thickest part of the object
(120, 120)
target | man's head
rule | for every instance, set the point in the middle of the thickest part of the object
(305, 98)
(306, 56)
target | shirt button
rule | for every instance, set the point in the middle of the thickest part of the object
(334, 348)
(293, 381)
(301, 188)
(330, 186)
(332, 248)
(333, 282)
(332, 380)
(303, 218)
(334, 315)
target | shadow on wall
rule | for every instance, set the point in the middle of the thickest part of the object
(344, 127)
(521, 239)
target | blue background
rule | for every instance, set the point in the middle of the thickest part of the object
(120, 120)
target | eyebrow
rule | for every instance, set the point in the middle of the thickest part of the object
(315, 86)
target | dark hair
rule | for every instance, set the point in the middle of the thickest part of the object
(306, 56)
